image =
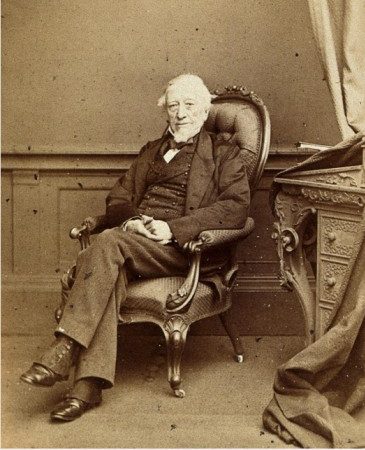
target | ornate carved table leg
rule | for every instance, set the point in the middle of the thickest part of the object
(290, 232)
(175, 330)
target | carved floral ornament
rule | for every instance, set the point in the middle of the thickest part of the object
(293, 218)
(175, 323)
(334, 232)
(327, 195)
(242, 90)
(340, 250)
(339, 179)
(347, 226)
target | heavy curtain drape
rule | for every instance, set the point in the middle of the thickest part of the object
(339, 30)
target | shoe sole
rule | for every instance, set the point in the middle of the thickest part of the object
(33, 383)
(57, 418)
(61, 418)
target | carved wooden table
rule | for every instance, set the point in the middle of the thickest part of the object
(319, 212)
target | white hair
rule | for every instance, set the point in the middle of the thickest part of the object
(192, 81)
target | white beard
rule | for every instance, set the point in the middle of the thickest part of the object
(185, 133)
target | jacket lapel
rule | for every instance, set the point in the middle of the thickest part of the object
(166, 171)
(142, 168)
(201, 172)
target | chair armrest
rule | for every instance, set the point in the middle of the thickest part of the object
(213, 238)
(83, 232)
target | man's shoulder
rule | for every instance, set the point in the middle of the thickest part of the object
(152, 144)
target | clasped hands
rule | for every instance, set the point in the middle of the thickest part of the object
(157, 230)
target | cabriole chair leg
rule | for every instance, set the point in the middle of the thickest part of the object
(233, 334)
(175, 332)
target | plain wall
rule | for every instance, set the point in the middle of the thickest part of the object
(89, 72)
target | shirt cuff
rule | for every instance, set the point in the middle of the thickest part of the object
(123, 226)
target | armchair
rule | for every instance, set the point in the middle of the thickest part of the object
(238, 116)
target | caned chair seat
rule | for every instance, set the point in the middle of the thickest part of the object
(148, 298)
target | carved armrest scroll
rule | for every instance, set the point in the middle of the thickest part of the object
(83, 232)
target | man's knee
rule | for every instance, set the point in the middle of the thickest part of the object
(104, 241)
(112, 241)
(108, 242)
(109, 237)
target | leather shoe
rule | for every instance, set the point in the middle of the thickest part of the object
(60, 356)
(39, 375)
(71, 409)
(54, 365)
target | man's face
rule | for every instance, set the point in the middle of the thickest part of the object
(185, 110)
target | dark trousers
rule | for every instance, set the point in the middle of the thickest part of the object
(102, 274)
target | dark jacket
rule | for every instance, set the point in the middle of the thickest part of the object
(218, 194)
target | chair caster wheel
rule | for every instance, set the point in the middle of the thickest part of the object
(238, 358)
(179, 393)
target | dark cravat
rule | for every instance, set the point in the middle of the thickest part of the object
(174, 147)
(178, 145)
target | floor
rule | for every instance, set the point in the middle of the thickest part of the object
(222, 408)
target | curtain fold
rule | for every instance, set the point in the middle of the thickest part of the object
(339, 31)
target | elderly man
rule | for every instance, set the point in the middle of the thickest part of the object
(178, 186)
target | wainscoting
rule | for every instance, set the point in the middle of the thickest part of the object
(45, 192)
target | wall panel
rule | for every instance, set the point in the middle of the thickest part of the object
(43, 204)
(7, 222)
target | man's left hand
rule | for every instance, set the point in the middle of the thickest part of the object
(159, 228)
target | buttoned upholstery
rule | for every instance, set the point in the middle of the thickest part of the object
(241, 123)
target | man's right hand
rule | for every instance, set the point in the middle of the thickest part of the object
(137, 226)
(90, 222)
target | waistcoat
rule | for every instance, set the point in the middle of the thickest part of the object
(165, 195)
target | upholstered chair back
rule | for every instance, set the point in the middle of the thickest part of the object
(240, 117)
